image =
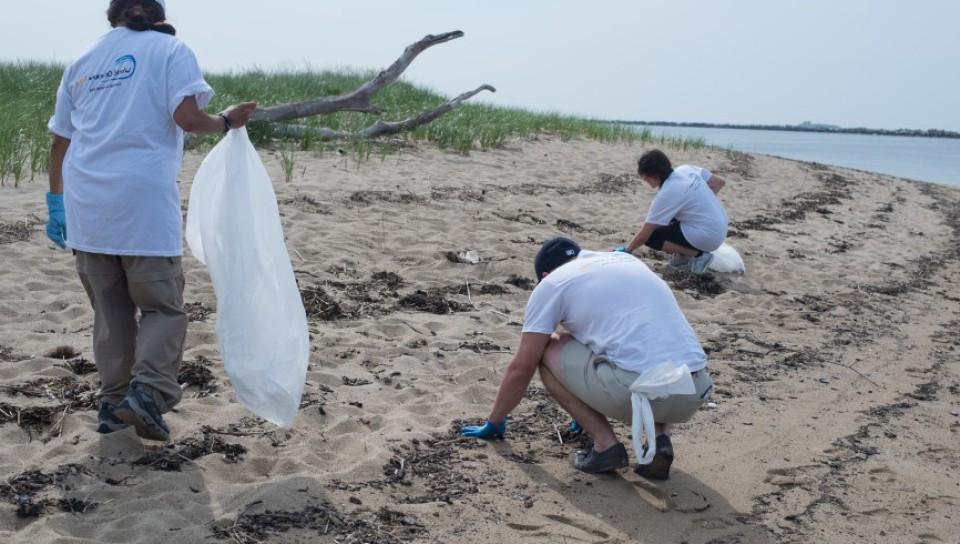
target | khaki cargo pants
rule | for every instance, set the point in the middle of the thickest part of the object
(126, 349)
(605, 387)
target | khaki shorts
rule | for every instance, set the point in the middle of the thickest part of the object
(605, 387)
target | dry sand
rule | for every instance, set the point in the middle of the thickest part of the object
(835, 359)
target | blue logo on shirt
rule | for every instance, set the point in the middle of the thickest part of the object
(124, 68)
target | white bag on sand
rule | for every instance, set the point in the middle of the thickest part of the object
(726, 260)
(233, 226)
(660, 381)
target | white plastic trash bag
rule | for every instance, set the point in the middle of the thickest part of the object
(233, 226)
(726, 260)
(660, 381)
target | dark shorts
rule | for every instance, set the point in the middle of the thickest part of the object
(668, 233)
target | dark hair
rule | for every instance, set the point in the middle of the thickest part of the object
(655, 163)
(139, 15)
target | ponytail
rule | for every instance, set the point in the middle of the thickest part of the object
(139, 15)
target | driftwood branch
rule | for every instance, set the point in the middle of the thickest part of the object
(358, 100)
(381, 128)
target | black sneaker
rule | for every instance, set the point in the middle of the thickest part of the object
(659, 468)
(592, 461)
(140, 410)
(107, 420)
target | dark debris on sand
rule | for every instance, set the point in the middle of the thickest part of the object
(197, 311)
(171, 457)
(384, 527)
(306, 204)
(836, 189)
(10, 355)
(696, 286)
(353, 300)
(26, 490)
(430, 468)
(320, 305)
(18, 231)
(79, 366)
(69, 394)
(367, 198)
(432, 301)
(63, 352)
(610, 184)
(197, 374)
(521, 282)
(740, 163)
(477, 289)
(565, 225)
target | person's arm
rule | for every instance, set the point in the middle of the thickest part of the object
(191, 118)
(58, 151)
(521, 370)
(716, 183)
(642, 236)
(57, 215)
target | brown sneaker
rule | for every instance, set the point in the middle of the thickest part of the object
(659, 468)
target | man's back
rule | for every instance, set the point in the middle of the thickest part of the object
(614, 304)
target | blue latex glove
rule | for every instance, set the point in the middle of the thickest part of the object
(57, 225)
(621, 249)
(487, 430)
(575, 428)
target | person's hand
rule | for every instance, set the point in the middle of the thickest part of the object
(239, 114)
(487, 430)
(575, 428)
(621, 249)
(57, 224)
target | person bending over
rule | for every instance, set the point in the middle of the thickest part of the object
(620, 320)
(686, 219)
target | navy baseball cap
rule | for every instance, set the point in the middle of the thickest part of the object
(552, 254)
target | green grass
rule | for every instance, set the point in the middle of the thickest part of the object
(28, 92)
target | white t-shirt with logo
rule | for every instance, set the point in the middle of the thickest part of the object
(614, 304)
(686, 197)
(116, 105)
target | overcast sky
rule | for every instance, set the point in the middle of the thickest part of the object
(876, 63)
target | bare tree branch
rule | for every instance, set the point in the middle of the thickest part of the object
(382, 128)
(359, 99)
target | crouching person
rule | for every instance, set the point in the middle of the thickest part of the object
(620, 320)
(685, 219)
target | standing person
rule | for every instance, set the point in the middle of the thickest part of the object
(121, 112)
(621, 320)
(685, 218)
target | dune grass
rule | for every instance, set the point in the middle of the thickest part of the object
(28, 93)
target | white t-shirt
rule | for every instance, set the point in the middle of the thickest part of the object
(686, 197)
(619, 308)
(116, 105)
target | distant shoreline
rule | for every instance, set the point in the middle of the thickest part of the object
(929, 133)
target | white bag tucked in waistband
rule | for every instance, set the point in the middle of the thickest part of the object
(660, 381)
(233, 226)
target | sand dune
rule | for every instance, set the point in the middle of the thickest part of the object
(835, 359)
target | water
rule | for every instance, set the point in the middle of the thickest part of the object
(925, 159)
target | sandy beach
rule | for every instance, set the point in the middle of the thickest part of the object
(836, 359)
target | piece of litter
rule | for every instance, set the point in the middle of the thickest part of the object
(955, 414)
(711, 405)
(824, 380)
(468, 257)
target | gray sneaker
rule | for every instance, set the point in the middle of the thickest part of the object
(679, 262)
(140, 410)
(698, 265)
(594, 462)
